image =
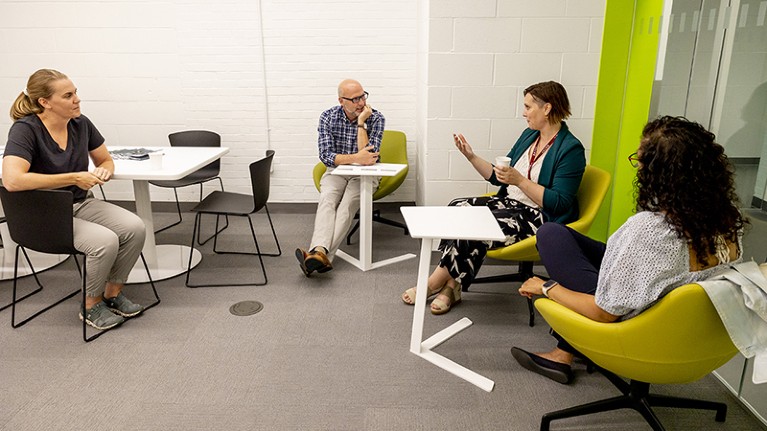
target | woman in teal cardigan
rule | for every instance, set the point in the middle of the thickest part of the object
(540, 185)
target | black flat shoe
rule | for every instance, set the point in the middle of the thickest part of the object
(560, 373)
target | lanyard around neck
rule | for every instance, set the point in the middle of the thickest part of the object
(534, 157)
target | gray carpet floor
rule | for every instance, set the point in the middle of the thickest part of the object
(328, 352)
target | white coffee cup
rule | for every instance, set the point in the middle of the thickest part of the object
(502, 161)
(155, 159)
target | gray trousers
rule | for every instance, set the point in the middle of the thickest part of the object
(111, 238)
(339, 201)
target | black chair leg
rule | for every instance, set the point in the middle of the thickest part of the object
(531, 313)
(271, 225)
(197, 221)
(525, 272)
(39, 288)
(615, 403)
(15, 300)
(689, 403)
(178, 211)
(180, 218)
(88, 339)
(258, 249)
(199, 234)
(151, 283)
(355, 228)
(376, 218)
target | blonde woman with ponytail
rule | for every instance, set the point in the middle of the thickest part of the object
(50, 145)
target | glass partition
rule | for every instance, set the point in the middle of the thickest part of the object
(742, 125)
(712, 68)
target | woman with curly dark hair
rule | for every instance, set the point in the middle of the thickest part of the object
(687, 228)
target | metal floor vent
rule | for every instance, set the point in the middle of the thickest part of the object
(246, 308)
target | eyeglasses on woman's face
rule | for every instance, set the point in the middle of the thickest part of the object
(634, 160)
(357, 99)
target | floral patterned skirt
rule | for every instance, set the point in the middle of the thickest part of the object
(463, 258)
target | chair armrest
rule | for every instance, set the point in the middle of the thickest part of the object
(319, 170)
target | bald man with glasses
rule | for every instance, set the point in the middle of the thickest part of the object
(349, 133)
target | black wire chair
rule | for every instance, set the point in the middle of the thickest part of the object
(42, 220)
(241, 205)
(209, 172)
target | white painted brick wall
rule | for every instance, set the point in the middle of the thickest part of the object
(146, 68)
(490, 52)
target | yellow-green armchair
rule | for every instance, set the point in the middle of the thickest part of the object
(678, 340)
(591, 193)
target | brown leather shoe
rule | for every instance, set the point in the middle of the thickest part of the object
(317, 260)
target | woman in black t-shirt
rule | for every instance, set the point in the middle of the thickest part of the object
(49, 147)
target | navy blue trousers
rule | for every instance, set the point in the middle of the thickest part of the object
(572, 259)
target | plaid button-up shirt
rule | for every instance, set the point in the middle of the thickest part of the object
(338, 135)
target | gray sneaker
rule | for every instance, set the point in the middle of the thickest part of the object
(123, 306)
(100, 317)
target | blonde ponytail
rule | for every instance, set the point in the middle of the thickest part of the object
(24, 106)
(39, 86)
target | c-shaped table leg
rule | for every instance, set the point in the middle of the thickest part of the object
(423, 348)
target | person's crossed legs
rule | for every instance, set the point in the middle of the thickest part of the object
(339, 201)
(573, 260)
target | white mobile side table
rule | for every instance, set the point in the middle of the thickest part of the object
(366, 174)
(432, 224)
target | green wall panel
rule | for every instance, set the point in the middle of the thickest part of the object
(626, 72)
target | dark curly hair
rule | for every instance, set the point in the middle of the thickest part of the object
(685, 174)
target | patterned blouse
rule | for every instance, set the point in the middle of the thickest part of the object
(644, 260)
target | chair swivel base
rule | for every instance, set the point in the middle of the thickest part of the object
(635, 396)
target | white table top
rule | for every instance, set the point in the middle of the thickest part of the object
(376, 170)
(440, 222)
(177, 163)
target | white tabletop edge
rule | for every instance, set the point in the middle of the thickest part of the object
(442, 222)
(376, 170)
(178, 162)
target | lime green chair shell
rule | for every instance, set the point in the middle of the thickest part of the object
(591, 193)
(679, 339)
(393, 150)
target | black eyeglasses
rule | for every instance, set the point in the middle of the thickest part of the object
(634, 160)
(358, 98)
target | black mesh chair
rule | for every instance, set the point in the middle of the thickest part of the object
(193, 138)
(241, 205)
(41, 220)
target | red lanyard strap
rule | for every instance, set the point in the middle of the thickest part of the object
(533, 157)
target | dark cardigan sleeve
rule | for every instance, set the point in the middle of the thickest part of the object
(560, 202)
